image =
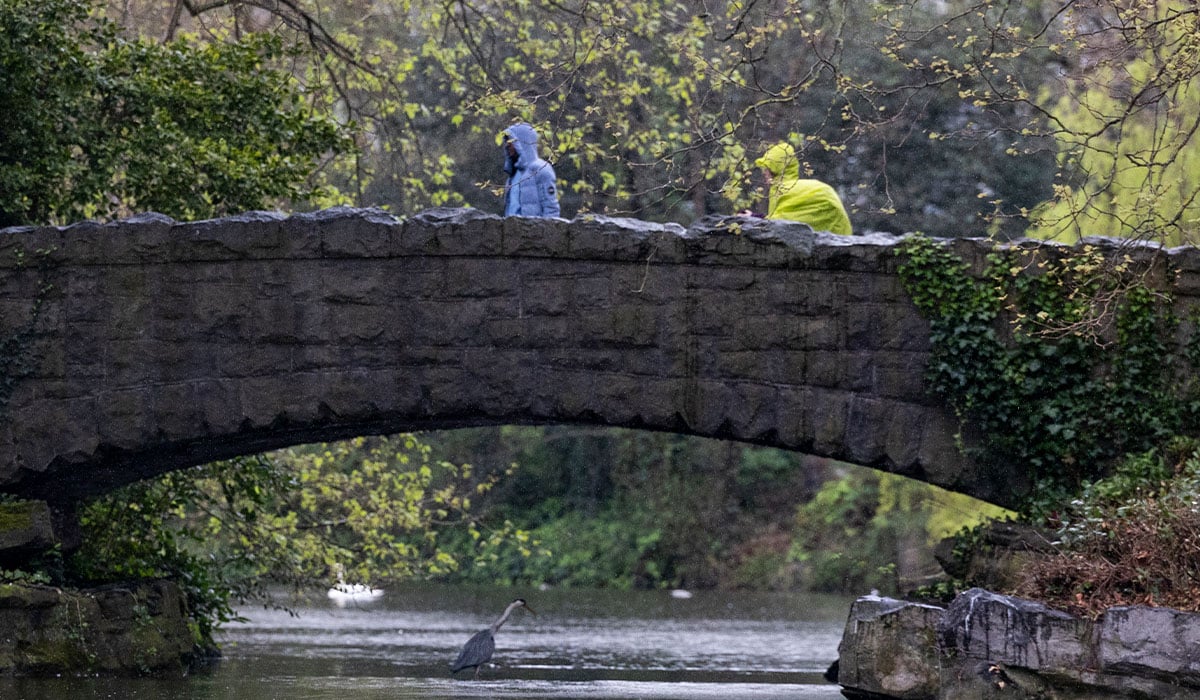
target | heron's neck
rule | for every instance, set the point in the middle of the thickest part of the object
(504, 618)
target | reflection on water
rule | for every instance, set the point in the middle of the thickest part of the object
(581, 644)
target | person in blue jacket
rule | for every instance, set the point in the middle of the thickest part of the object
(531, 189)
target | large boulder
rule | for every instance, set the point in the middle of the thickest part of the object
(986, 645)
(889, 648)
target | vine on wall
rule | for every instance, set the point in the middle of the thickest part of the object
(1062, 361)
(16, 360)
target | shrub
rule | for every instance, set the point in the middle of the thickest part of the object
(1131, 538)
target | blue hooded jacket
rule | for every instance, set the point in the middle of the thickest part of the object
(532, 189)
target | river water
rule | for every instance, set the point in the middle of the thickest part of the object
(580, 644)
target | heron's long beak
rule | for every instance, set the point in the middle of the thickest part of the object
(531, 610)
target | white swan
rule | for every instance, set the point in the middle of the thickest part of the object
(343, 593)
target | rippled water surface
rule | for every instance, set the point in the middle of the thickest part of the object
(581, 644)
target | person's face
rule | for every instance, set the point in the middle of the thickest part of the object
(767, 176)
(510, 148)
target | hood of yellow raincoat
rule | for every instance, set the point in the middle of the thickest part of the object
(781, 159)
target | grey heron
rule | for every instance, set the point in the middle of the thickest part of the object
(479, 648)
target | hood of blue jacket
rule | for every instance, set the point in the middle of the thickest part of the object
(525, 140)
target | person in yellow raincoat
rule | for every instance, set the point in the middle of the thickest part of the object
(791, 197)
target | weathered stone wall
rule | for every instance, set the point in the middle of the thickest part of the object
(149, 345)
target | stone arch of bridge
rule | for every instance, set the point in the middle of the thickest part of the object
(155, 345)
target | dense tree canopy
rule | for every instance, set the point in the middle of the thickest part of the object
(958, 117)
(655, 108)
(100, 126)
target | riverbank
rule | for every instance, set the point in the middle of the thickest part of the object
(136, 628)
(983, 645)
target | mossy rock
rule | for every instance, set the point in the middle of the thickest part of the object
(129, 630)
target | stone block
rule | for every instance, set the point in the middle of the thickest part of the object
(474, 278)
(450, 231)
(26, 529)
(938, 448)
(818, 333)
(367, 234)
(128, 422)
(899, 375)
(220, 404)
(303, 234)
(830, 411)
(705, 405)
(536, 237)
(904, 421)
(866, 326)
(865, 442)
(591, 288)
(21, 246)
(748, 365)
(546, 297)
(794, 428)
(655, 403)
(597, 237)
(825, 370)
(253, 235)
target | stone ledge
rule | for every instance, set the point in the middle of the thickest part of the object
(346, 232)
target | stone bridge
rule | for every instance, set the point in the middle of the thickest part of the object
(134, 348)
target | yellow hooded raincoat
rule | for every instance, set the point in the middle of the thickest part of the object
(810, 201)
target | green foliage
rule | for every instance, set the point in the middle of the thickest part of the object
(651, 108)
(205, 130)
(1126, 126)
(837, 546)
(622, 508)
(98, 125)
(629, 508)
(373, 508)
(1021, 352)
(607, 550)
(1150, 475)
(140, 532)
(867, 530)
(22, 576)
(44, 75)
(1109, 85)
